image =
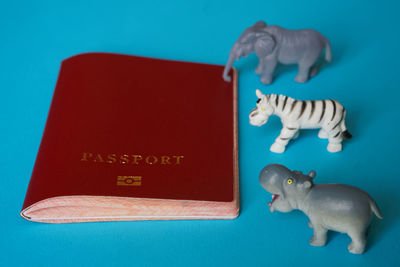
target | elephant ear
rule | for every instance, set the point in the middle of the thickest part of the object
(264, 45)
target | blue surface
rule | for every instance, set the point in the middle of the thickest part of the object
(364, 76)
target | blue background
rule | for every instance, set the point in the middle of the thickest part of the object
(364, 76)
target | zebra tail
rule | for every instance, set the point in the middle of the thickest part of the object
(346, 135)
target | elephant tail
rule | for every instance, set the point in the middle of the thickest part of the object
(328, 51)
(375, 209)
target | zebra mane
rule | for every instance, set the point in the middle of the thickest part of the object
(274, 99)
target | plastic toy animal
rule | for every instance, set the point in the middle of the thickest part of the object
(337, 207)
(329, 115)
(274, 44)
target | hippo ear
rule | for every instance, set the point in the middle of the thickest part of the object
(307, 184)
(312, 174)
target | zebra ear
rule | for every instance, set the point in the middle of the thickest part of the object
(258, 93)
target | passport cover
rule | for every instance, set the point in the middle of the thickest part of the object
(135, 138)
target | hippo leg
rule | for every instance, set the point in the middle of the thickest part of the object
(320, 236)
(358, 242)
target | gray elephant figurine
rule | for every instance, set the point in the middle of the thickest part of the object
(337, 207)
(274, 44)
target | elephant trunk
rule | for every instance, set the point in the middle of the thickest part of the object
(228, 67)
(234, 54)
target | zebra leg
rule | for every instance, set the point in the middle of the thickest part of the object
(283, 139)
(296, 135)
(335, 140)
(323, 134)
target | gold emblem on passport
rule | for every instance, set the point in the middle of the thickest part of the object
(129, 180)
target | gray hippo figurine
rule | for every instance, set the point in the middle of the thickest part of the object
(337, 207)
(274, 44)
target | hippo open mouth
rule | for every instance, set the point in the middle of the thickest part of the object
(274, 197)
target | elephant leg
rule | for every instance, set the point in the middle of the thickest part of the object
(320, 236)
(304, 72)
(283, 139)
(260, 67)
(268, 70)
(313, 71)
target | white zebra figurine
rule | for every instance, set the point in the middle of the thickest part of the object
(329, 115)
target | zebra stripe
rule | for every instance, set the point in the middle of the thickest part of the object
(312, 109)
(334, 109)
(293, 105)
(336, 135)
(323, 111)
(284, 103)
(337, 124)
(303, 107)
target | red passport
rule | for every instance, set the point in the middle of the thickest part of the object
(134, 138)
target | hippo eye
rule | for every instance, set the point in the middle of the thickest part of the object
(290, 181)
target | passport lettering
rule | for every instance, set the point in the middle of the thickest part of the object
(134, 159)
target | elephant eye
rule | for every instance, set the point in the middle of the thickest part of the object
(290, 181)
